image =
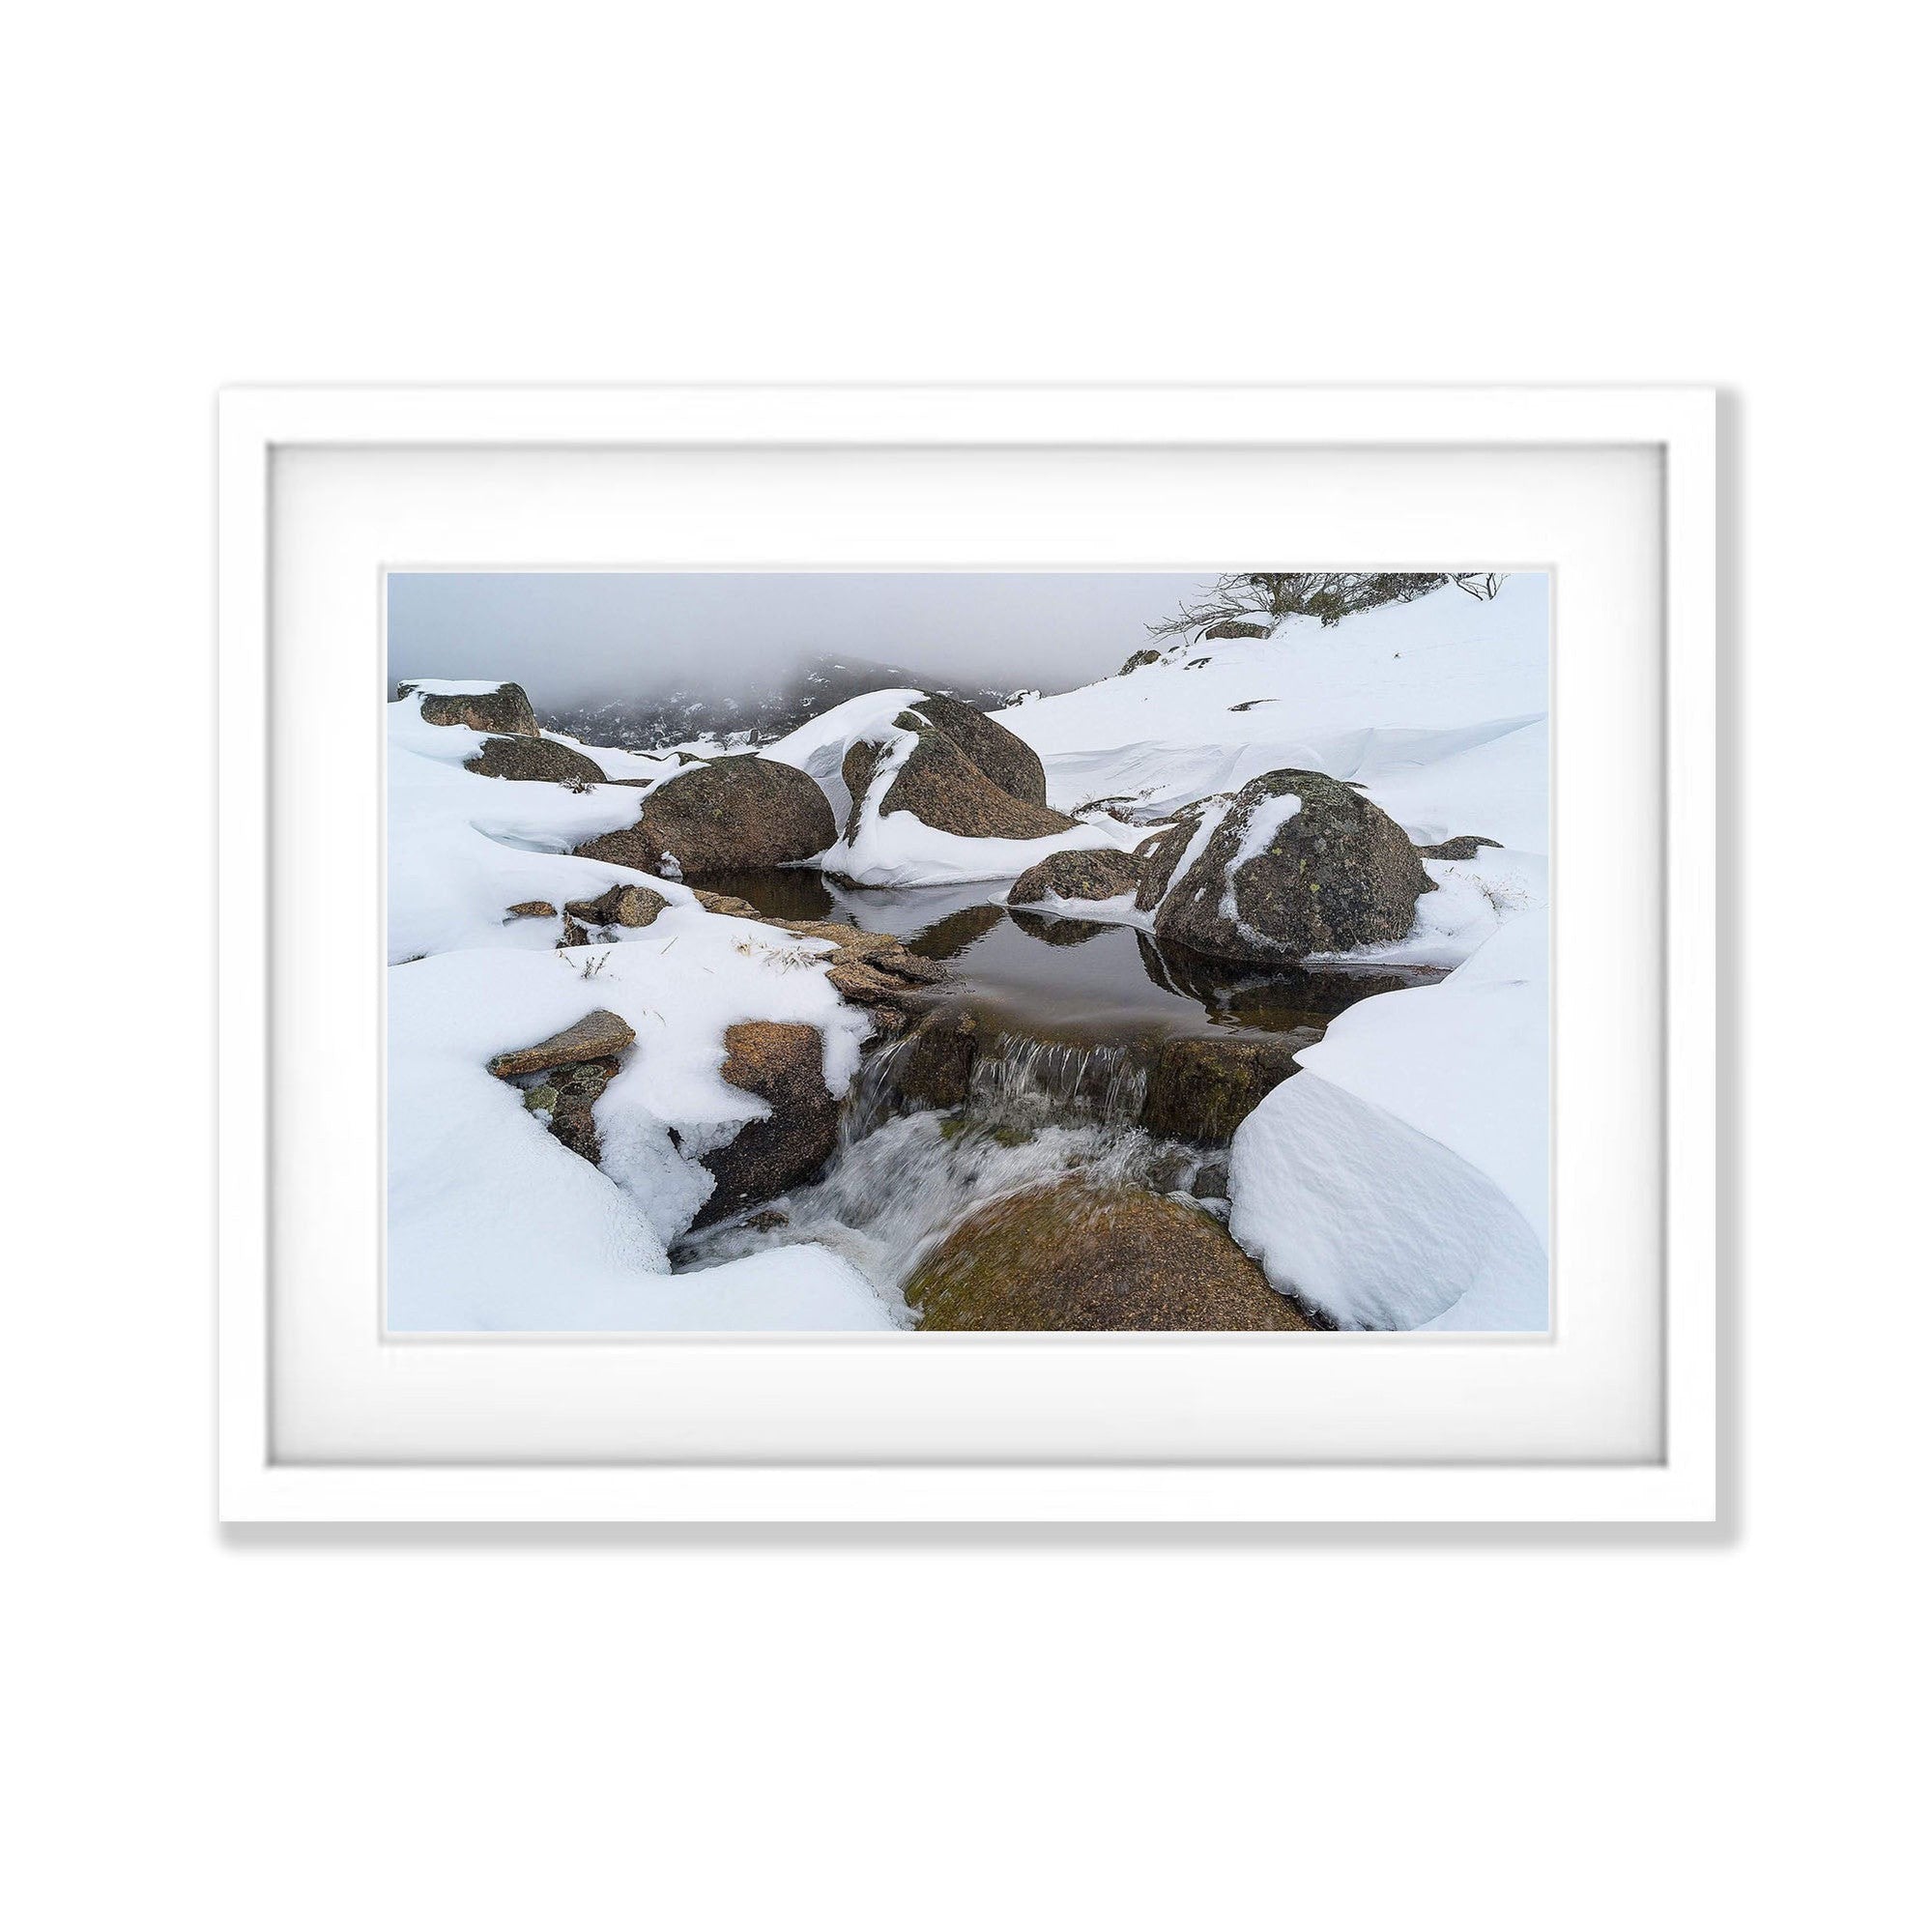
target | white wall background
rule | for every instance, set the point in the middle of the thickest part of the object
(577, 1730)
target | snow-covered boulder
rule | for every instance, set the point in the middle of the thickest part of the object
(478, 706)
(1294, 863)
(937, 779)
(534, 760)
(722, 817)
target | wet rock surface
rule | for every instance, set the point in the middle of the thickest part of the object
(1202, 1089)
(782, 1064)
(1077, 1255)
(720, 817)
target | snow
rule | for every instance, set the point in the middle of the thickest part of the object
(897, 848)
(1437, 708)
(495, 1224)
(1401, 1178)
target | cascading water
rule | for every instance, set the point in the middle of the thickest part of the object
(902, 1175)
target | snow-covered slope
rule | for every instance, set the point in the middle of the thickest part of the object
(493, 1224)
(1401, 1179)
(1437, 708)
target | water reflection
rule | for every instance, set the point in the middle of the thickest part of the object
(1071, 979)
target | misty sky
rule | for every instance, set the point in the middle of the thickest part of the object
(568, 636)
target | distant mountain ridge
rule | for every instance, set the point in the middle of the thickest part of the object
(678, 717)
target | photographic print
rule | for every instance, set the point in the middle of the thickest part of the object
(967, 951)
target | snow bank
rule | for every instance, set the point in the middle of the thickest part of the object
(1401, 1179)
(1437, 708)
(494, 1224)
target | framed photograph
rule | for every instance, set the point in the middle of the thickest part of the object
(969, 955)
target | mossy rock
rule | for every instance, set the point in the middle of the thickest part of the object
(1202, 1089)
(934, 1065)
(1075, 1255)
(731, 814)
(1338, 874)
(1076, 874)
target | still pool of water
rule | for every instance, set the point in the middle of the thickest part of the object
(1073, 979)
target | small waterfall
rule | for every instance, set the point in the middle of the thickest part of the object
(905, 1174)
(1021, 1081)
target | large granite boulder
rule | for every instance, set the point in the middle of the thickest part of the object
(1076, 874)
(538, 759)
(730, 815)
(784, 1065)
(1299, 863)
(939, 783)
(1008, 759)
(506, 708)
(1077, 1255)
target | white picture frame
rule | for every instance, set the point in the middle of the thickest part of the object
(402, 1473)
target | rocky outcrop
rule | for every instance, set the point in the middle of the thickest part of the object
(942, 786)
(530, 908)
(935, 1066)
(732, 813)
(534, 760)
(1004, 757)
(1202, 1089)
(1075, 1256)
(1237, 628)
(1076, 874)
(506, 708)
(1299, 863)
(594, 1037)
(1138, 661)
(565, 1098)
(1466, 846)
(784, 1065)
(629, 905)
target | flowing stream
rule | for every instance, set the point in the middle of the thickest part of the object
(1071, 1016)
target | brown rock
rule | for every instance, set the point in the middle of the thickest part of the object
(530, 908)
(1203, 1090)
(1338, 874)
(936, 1062)
(1074, 1255)
(506, 708)
(942, 787)
(1076, 874)
(1005, 758)
(595, 1035)
(1234, 627)
(620, 906)
(534, 760)
(870, 986)
(784, 1066)
(728, 815)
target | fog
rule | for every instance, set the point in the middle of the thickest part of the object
(572, 635)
